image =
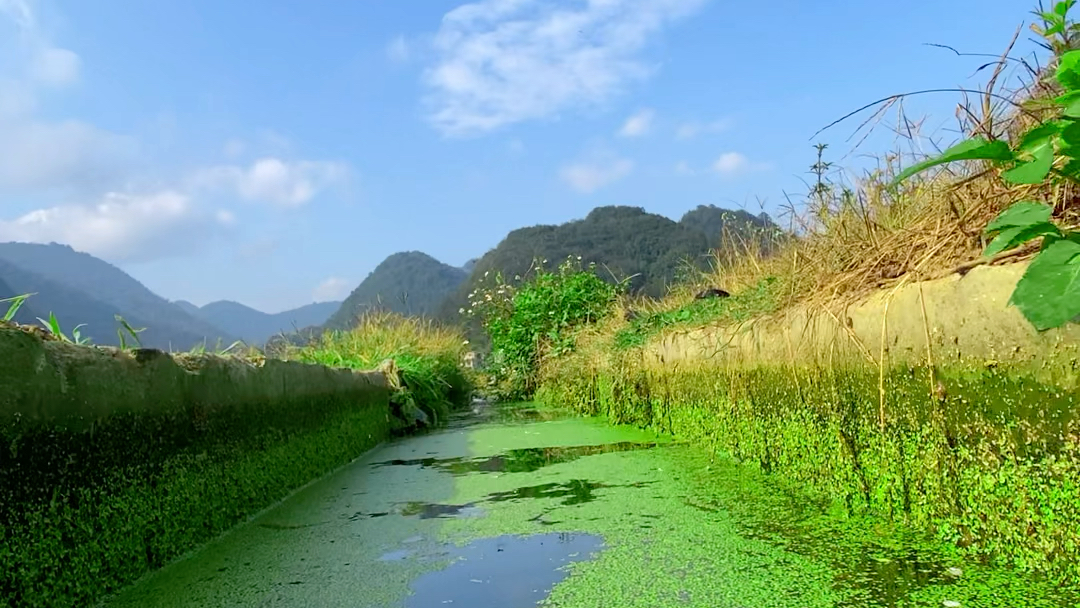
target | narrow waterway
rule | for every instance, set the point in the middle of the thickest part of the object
(513, 507)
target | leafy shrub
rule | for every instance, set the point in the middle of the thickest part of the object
(538, 316)
(1048, 154)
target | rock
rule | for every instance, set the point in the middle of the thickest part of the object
(415, 415)
(712, 292)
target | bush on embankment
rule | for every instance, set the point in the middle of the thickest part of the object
(964, 423)
(537, 315)
(117, 461)
(427, 357)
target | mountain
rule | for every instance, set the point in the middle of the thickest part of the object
(409, 282)
(256, 327)
(187, 307)
(80, 288)
(629, 243)
(626, 242)
(712, 221)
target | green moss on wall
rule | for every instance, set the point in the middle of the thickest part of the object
(987, 459)
(84, 512)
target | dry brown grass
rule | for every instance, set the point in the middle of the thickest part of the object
(855, 237)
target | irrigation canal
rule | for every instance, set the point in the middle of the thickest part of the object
(514, 506)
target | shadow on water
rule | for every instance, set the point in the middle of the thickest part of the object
(520, 461)
(502, 572)
(573, 492)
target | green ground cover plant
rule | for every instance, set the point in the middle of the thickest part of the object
(538, 315)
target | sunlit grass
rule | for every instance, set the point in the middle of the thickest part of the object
(428, 356)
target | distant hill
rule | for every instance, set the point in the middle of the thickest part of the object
(80, 288)
(624, 242)
(187, 307)
(256, 327)
(409, 282)
(711, 221)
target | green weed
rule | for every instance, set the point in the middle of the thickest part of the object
(14, 304)
(428, 356)
(761, 299)
(1048, 153)
(541, 314)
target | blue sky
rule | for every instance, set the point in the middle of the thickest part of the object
(273, 153)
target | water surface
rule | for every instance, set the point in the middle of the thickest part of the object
(519, 506)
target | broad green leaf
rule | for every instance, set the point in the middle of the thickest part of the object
(1068, 71)
(1043, 134)
(1035, 170)
(1014, 236)
(1070, 133)
(976, 148)
(1072, 108)
(1071, 169)
(1062, 8)
(1069, 61)
(1049, 292)
(1022, 215)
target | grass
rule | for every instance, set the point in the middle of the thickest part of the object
(758, 300)
(427, 355)
(854, 234)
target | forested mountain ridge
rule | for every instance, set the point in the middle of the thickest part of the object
(629, 243)
(408, 282)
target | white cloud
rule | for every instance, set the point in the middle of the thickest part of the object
(638, 124)
(398, 50)
(587, 177)
(19, 12)
(38, 153)
(693, 129)
(332, 288)
(73, 154)
(233, 148)
(507, 61)
(730, 162)
(121, 227)
(272, 180)
(34, 57)
(684, 168)
(56, 67)
(16, 99)
(733, 163)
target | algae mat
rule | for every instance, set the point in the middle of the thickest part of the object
(520, 507)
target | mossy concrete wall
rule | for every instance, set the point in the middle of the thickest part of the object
(60, 383)
(967, 319)
(115, 462)
(972, 435)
